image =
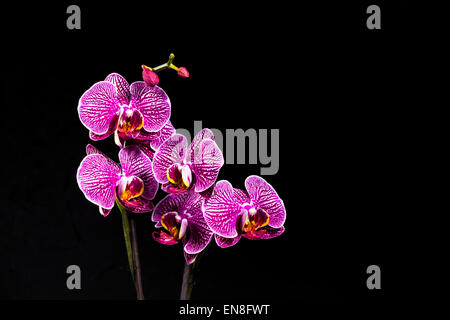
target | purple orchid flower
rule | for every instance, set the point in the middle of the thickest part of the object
(132, 112)
(257, 213)
(179, 167)
(182, 219)
(133, 183)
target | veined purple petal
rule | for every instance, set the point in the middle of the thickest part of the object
(264, 196)
(196, 143)
(145, 148)
(104, 212)
(226, 242)
(206, 194)
(221, 210)
(138, 205)
(152, 102)
(199, 234)
(98, 106)
(241, 196)
(206, 165)
(265, 233)
(189, 202)
(90, 149)
(192, 203)
(135, 163)
(173, 150)
(190, 258)
(97, 178)
(147, 136)
(165, 133)
(97, 137)
(111, 129)
(122, 86)
(170, 203)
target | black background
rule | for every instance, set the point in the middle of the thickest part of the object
(334, 89)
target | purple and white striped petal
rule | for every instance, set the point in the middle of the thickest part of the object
(264, 196)
(206, 194)
(98, 106)
(226, 242)
(165, 133)
(147, 136)
(241, 196)
(122, 86)
(103, 211)
(173, 150)
(135, 163)
(97, 178)
(153, 103)
(190, 258)
(97, 137)
(192, 203)
(199, 234)
(222, 210)
(206, 165)
(90, 149)
(196, 143)
(180, 203)
(145, 148)
(111, 129)
(170, 203)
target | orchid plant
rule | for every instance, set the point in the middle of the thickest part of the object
(196, 208)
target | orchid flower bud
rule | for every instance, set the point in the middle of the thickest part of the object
(150, 77)
(183, 73)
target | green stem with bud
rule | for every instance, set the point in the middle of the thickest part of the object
(167, 65)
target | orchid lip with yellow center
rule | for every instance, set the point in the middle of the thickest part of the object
(129, 188)
(180, 177)
(175, 225)
(130, 121)
(252, 221)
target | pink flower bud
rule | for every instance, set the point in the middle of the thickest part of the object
(182, 72)
(150, 77)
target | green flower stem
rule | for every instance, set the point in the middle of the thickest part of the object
(132, 249)
(188, 282)
(137, 264)
(166, 65)
(126, 234)
(189, 274)
(160, 68)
